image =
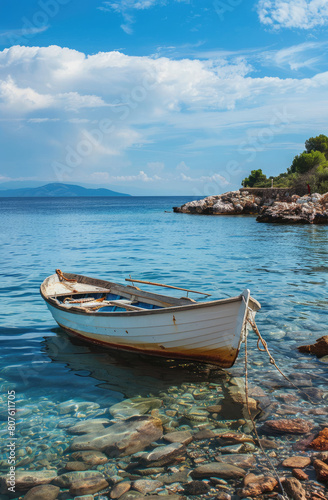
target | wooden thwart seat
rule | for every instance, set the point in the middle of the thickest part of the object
(92, 304)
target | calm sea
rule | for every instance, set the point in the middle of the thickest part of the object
(285, 268)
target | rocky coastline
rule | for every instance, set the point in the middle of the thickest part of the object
(271, 205)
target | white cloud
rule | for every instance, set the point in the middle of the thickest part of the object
(304, 55)
(216, 179)
(126, 7)
(123, 5)
(42, 120)
(123, 105)
(134, 92)
(15, 34)
(26, 99)
(302, 14)
(42, 77)
(142, 176)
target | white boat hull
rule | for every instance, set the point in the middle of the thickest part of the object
(208, 332)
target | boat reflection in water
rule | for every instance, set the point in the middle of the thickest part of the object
(127, 373)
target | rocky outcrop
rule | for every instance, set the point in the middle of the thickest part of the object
(270, 205)
(310, 209)
(243, 201)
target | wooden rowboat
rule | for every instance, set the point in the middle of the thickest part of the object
(127, 318)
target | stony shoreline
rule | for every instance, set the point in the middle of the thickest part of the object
(270, 205)
(192, 440)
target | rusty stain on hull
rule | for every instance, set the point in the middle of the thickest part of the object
(223, 357)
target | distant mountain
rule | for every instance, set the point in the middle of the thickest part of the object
(57, 190)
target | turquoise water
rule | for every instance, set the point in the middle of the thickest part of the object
(285, 268)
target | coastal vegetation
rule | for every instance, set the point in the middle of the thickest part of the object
(308, 168)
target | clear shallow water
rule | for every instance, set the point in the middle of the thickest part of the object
(285, 267)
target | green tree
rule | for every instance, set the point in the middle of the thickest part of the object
(256, 179)
(319, 143)
(306, 161)
(309, 167)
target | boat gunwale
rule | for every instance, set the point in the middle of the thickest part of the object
(163, 310)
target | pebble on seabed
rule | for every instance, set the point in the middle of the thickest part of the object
(199, 447)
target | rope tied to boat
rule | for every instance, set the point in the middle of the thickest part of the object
(273, 362)
(61, 276)
(271, 358)
(254, 426)
(283, 493)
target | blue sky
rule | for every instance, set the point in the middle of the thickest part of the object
(159, 96)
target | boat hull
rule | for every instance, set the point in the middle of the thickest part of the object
(209, 332)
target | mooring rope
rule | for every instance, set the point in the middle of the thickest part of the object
(254, 426)
(272, 360)
(62, 277)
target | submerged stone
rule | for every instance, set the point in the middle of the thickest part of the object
(321, 442)
(91, 457)
(76, 466)
(66, 480)
(321, 470)
(300, 474)
(258, 486)
(224, 471)
(131, 495)
(294, 489)
(121, 439)
(320, 348)
(90, 485)
(183, 437)
(296, 462)
(26, 479)
(87, 426)
(43, 492)
(134, 407)
(289, 426)
(164, 455)
(240, 460)
(145, 486)
(182, 476)
(196, 488)
(119, 489)
(67, 407)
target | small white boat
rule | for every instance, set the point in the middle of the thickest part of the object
(127, 318)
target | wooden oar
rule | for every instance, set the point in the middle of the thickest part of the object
(166, 286)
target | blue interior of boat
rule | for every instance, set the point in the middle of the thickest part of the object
(109, 296)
